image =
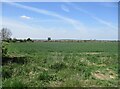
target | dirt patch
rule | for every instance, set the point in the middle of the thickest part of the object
(82, 59)
(101, 65)
(93, 53)
(102, 76)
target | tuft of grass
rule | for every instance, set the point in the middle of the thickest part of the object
(58, 66)
(44, 76)
(6, 72)
(14, 83)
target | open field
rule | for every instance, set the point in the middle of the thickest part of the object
(61, 64)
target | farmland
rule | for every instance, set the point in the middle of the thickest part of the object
(61, 64)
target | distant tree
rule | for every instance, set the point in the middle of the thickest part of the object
(8, 40)
(21, 40)
(29, 39)
(5, 34)
(49, 38)
(24, 40)
(14, 40)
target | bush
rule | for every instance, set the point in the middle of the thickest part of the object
(6, 73)
(49, 38)
(4, 49)
(21, 40)
(24, 40)
(8, 40)
(29, 39)
(58, 66)
(44, 76)
(14, 40)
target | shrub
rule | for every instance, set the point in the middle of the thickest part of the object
(14, 40)
(6, 73)
(24, 40)
(21, 40)
(29, 39)
(49, 38)
(58, 66)
(4, 49)
(8, 40)
(44, 76)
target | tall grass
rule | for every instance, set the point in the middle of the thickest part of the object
(62, 64)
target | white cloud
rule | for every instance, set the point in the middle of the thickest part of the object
(106, 23)
(25, 17)
(77, 24)
(21, 30)
(65, 8)
(110, 5)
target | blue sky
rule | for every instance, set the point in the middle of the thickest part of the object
(61, 20)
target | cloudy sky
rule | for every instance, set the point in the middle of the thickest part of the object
(61, 20)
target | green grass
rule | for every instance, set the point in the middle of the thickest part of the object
(62, 64)
(63, 47)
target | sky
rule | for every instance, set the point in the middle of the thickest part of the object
(61, 20)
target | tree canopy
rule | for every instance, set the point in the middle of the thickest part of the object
(5, 34)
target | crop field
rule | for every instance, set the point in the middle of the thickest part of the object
(61, 64)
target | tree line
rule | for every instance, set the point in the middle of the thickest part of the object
(6, 37)
(6, 34)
